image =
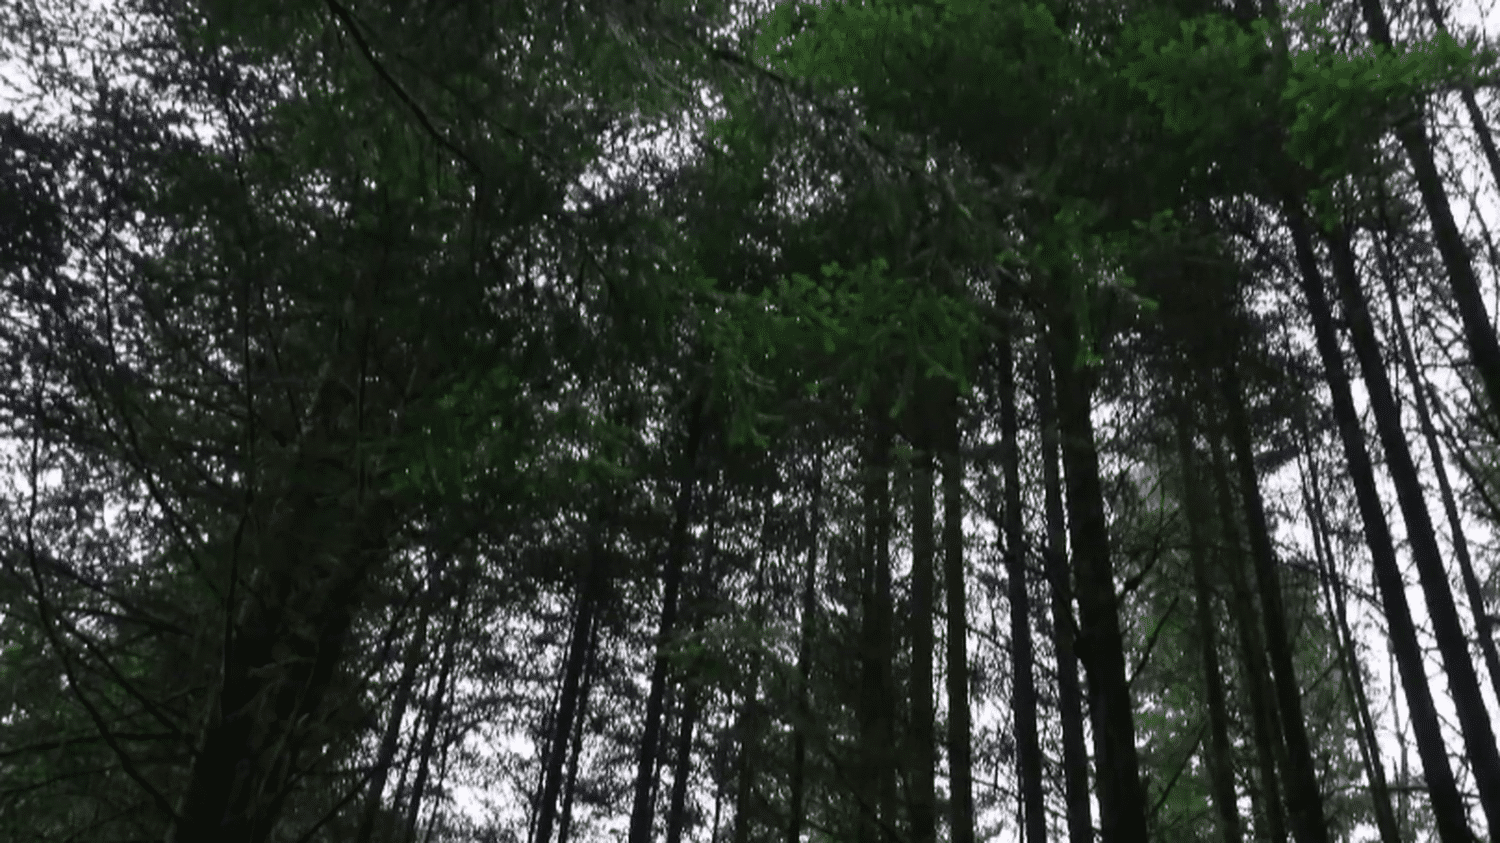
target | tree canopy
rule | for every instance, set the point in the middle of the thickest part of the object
(739, 422)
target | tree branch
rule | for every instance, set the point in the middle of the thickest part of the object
(347, 19)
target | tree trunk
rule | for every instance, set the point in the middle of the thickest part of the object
(1023, 695)
(437, 713)
(692, 701)
(416, 651)
(1221, 753)
(960, 764)
(1445, 489)
(437, 820)
(869, 702)
(748, 730)
(1122, 800)
(749, 723)
(1403, 768)
(1463, 683)
(1354, 687)
(590, 586)
(922, 763)
(565, 818)
(1479, 331)
(672, 569)
(245, 758)
(1265, 727)
(1478, 485)
(1471, 106)
(1447, 808)
(878, 766)
(713, 834)
(1064, 628)
(1304, 798)
(804, 653)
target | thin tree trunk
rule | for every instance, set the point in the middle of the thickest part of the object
(1447, 808)
(804, 654)
(885, 728)
(713, 834)
(643, 808)
(922, 763)
(437, 706)
(1472, 589)
(1354, 688)
(960, 761)
(1064, 628)
(1023, 695)
(1221, 754)
(1304, 798)
(876, 778)
(565, 817)
(550, 743)
(1471, 106)
(437, 820)
(671, 715)
(416, 651)
(749, 723)
(692, 702)
(418, 724)
(1403, 770)
(1265, 727)
(1463, 682)
(1479, 330)
(747, 729)
(590, 585)
(1122, 799)
(1477, 482)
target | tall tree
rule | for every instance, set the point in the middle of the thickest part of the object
(1221, 757)
(1122, 800)
(877, 711)
(591, 586)
(960, 752)
(1265, 724)
(808, 628)
(682, 773)
(1304, 796)
(1447, 808)
(416, 651)
(1353, 675)
(1479, 330)
(921, 748)
(674, 562)
(1461, 554)
(1059, 576)
(565, 816)
(1023, 706)
(1479, 736)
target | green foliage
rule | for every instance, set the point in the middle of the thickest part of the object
(933, 67)
(1344, 102)
(1215, 83)
(381, 217)
(861, 323)
(1202, 74)
(487, 436)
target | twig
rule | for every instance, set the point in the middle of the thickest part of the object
(342, 13)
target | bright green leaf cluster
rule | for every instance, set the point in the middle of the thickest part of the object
(1203, 76)
(1341, 103)
(1208, 78)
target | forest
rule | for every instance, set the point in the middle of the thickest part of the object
(749, 421)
